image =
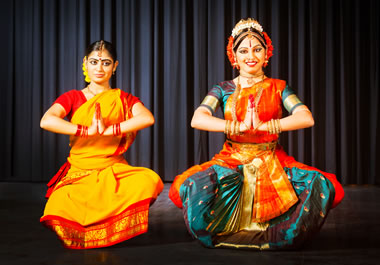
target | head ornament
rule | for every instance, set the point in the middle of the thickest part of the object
(248, 27)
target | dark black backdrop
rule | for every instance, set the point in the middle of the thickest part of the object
(171, 52)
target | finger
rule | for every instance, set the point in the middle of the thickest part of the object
(97, 110)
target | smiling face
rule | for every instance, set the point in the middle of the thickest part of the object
(250, 56)
(100, 66)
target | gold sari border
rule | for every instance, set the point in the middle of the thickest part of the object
(230, 245)
(131, 222)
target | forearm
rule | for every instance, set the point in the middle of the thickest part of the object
(207, 122)
(133, 124)
(299, 120)
(58, 125)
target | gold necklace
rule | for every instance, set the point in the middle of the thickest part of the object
(237, 93)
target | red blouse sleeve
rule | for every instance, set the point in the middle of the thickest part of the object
(71, 101)
(129, 100)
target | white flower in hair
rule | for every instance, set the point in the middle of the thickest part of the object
(245, 24)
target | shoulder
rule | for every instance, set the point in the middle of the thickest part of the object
(72, 93)
(224, 87)
(70, 96)
(128, 98)
(279, 83)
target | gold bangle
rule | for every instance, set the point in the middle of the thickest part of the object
(228, 123)
(279, 126)
(269, 127)
(226, 127)
(276, 129)
(233, 128)
(237, 128)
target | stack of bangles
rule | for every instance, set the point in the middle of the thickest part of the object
(116, 129)
(82, 131)
(233, 127)
(274, 126)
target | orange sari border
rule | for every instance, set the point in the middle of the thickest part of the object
(132, 222)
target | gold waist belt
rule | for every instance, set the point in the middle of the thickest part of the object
(252, 146)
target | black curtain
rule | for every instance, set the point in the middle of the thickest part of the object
(171, 52)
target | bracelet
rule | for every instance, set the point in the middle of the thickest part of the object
(226, 127)
(116, 129)
(278, 126)
(82, 131)
(237, 128)
(274, 126)
(79, 130)
(269, 127)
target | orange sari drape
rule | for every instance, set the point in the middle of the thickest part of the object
(273, 194)
(101, 200)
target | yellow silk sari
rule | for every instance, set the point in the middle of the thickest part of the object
(101, 200)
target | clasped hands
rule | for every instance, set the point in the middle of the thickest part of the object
(97, 126)
(251, 119)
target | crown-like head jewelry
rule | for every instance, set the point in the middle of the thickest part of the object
(246, 24)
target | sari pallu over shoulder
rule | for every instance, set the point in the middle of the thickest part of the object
(101, 151)
(116, 106)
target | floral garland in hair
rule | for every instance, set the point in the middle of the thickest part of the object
(231, 54)
(86, 77)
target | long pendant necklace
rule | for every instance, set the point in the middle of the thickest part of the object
(237, 93)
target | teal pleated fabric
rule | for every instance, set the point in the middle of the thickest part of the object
(211, 197)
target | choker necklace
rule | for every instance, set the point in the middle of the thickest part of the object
(250, 80)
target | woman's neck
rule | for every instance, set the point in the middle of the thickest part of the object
(95, 88)
(250, 79)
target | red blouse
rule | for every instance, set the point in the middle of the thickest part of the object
(73, 99)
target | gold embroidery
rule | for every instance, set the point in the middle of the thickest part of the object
(124, 226)
(264, 246)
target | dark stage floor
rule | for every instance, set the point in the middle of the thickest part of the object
(351, 235)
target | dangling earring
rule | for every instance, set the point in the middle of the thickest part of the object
(235, 64)
(113, 72)
(85, 73)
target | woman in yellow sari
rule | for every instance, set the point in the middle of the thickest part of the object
(252, 194)
(97, 199)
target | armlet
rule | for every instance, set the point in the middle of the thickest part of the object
(210, 102)
(291, 102)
